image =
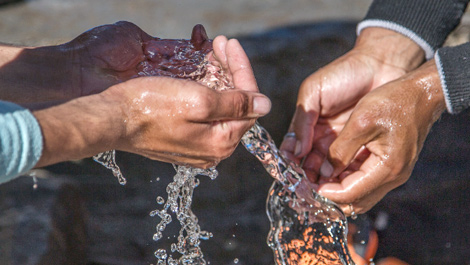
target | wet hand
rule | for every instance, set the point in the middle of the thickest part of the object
(327, 97)
(183, 122)
(379, 145)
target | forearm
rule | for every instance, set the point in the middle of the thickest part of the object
(426, 22)
(36, 74)
(79, 128)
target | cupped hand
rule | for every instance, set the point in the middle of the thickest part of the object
(386, 131)
(327, 97)
(167, 119)
(184, 122)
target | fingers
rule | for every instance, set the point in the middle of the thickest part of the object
(363, 188)
(302, 127)
(240, 67)
(218, 45)
(182, 158)
(233, 59)
(358, 132)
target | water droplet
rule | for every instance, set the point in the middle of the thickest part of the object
(157, 236)
(161, 254)
(160, 200)
(35, 182)
(154, 212)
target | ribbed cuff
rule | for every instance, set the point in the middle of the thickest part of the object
(428, 49)
(453, 65)
(21, 141)
(427, 22)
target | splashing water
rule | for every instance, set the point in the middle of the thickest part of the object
(180, 194)
(186, 59)
(108, 160)
(306, 228)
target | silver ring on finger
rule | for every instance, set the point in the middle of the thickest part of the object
(289, 135)
(353, 213)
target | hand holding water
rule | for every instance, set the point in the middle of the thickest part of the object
(391, 123)
(168, 119)
(327, 97)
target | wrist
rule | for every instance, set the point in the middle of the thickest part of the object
(427, 82)
(79, 128)
(390, 48)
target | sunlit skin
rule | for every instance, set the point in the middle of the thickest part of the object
(167, 119)
(370, 129)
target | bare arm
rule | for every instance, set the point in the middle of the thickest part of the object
(165, 119)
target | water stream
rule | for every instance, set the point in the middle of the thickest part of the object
(306, 228)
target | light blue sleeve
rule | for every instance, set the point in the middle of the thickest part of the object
(20, 141)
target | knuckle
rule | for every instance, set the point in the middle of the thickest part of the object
(335, 153)
(363, 122)
(241, 104)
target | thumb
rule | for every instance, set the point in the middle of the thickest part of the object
(238, 104)
(344, 149)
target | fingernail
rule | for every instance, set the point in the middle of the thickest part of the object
(298, 148)
(326, 169)
(261, 105)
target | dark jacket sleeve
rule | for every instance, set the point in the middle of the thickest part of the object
(453, 64)
(428, 23)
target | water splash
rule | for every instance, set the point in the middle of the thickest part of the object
(108, 160)
(180, 194)
(306, 228)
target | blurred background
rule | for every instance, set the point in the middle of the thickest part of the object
(79, 214)
(41, 22)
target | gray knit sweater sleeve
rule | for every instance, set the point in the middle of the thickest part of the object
(453, 65)
(428, 23)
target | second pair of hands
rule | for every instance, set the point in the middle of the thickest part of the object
(361, 121)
